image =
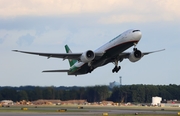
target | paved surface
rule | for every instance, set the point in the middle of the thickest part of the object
(73, 111)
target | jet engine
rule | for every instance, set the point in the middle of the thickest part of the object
(135, 56)
(87, 56)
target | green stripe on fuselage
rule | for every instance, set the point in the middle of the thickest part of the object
(79, 70)
(73, 70)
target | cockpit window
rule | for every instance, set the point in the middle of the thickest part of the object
(135, 31)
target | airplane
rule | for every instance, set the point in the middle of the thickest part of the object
(111, 52)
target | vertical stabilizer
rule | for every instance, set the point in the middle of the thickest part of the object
(71, 61)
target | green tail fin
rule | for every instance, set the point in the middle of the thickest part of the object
(71, 62)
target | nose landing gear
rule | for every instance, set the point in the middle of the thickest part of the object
(135, 49)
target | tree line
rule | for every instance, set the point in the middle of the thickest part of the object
(127, 93)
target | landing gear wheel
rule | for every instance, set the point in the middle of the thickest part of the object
(119, 67)
(113, 70)
(116, 69)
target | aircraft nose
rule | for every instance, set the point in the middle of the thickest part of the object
(137, 34)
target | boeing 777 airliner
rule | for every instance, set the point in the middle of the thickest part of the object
(111, 52)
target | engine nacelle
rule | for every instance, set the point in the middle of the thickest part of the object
(87, 56)
(135, 56)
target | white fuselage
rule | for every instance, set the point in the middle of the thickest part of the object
(125, 37)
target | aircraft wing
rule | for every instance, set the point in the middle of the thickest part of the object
(126, 54)
(75, 56)
(146, 53)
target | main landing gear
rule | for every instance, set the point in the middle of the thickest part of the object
(116, 68)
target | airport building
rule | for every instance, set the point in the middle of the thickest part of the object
(6, 102)
(114, 84)
(170, 103)
(156, 101)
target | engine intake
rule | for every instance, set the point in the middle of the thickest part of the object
(135, 56)
(87, 56)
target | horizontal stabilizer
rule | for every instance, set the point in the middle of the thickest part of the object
(55, 71)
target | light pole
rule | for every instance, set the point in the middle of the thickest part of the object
(120, 81)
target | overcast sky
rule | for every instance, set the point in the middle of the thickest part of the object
(47, 25)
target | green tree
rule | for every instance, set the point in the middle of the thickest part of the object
(81, 93)
(150, 91)
(22, 95)
(49, 93)
(38, 93)
(9, 93)
(73, 94)
(90, 94)
(116, 95)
